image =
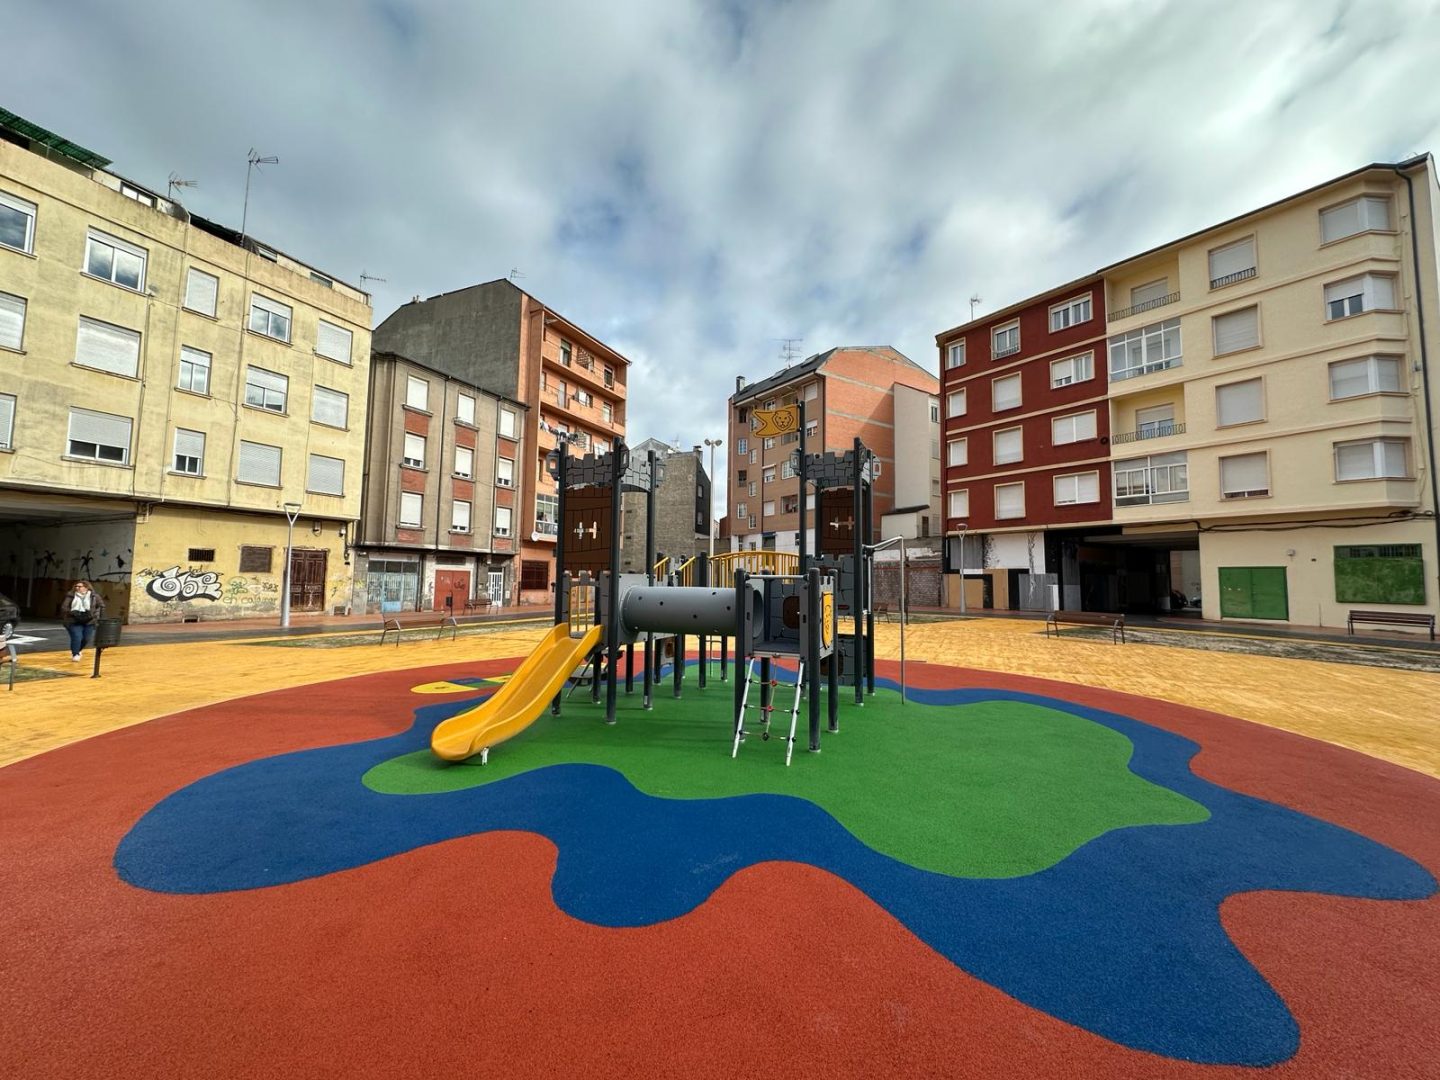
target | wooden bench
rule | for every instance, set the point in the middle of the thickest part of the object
(1392, 618)
(477, 604)
(419, 620)
(882, 611)
(1115, 622)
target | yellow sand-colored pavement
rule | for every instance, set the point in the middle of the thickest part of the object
(1388, 713)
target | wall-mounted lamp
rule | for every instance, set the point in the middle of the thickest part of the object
(315, 528)
(342, 532)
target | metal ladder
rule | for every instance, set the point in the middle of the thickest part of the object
(740, 732)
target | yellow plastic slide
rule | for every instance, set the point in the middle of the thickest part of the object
(519, 703)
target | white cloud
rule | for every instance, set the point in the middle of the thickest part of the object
(694, 180)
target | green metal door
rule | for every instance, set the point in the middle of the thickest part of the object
(1253, 592)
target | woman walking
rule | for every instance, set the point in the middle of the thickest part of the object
(80, 611)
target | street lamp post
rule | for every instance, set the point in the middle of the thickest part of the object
(710, 509)
(292, 511)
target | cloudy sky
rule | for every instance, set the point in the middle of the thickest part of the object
(695, 180)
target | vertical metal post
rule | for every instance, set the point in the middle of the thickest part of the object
(804, 545)
(703, 641)
(833, 703)
(630, 668)
(612, 651)
(292, 511)
(724, 658)
(677, 671)
(765, 688)
(814, 612)
(649, 573)
(857, 603)
(738, 685)
(903, 618)
(562, 583)
(869, 504)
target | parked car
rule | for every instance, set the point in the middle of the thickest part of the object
(9, 615)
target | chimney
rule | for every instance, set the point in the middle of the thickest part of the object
(739, 383)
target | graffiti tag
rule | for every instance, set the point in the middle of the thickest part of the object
(175, 584)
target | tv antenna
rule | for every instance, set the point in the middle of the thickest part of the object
(364, 277)
(515, 273)
(789, 349)
(253, 161)
(176, 182)
(973, 301)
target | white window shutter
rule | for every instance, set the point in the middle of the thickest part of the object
(201, 291)
(1245, 472)
(1340, 221)
(1010, 501)
(1007, 392)
(1239, 403)
(259, 463)
(109, 348)
(1379, 292)
(12, 320)
(333, 342)
(1237, 330)
(7, 421)
(1154, 290)
(327, 475)
(1232, 258)
(460, 515)
(100, 428)
(411, 506)
(330, 407)
(190, 443)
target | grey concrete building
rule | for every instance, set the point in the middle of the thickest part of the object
(682, 509)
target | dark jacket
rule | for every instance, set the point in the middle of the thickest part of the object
(97, 607)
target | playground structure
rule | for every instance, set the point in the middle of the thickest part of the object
(776, 606)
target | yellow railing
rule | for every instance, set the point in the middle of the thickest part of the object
(724, 565)
(661, 568)
(685, 572)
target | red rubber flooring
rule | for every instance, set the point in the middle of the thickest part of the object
(419, 966)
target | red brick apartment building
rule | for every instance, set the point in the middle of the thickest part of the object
(873, 392)
(1026, 434)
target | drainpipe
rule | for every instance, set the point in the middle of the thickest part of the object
(1424, 371)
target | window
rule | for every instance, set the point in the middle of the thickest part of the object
(1367, 375)
(107, 348)
(135, 193)
(259, 464)
(502, 521)
(194, 370)
(333, 342)
(742, 417)
(195, 555)
(955, 354)
(740, 509)
(1073, 428)
(565, 353)
(460, 516)
(960, 504)
(1151, 294)
(504, 469)
(266, 389)
(321, 279)
(1369, 213)
(1354, 296)
(256, 560)
(770, 405)
(584, 397)
(768, 508)
(1009, 446)
(465, 467)
(1070, 313)
(7, 421)
(1379, 574)
(1072, 369)
(269, 317)
(608, 375)
(17, 223)
(812, 428)
(1232, 263)
(955, 403)
(330, 407)
(957, 452)
(754, 456)
(742, 446)
(934, 412)
(769, 444)
(1076, 488)
(326, 476)
(769, 476)
(114, 260)
(740, 476)
(465, 409)
(98, 437)
(1239, 403)
(417, 393)
(547, 514)
(1005, 340)
(509, 425)
(189, 452)
(1155, 422)
(1005, 393)
(607, 412)
(534, 574)
(1009, 501)
(1236, 330)
(1151, 348)
(414, 453)
(1245, 476)
(412, 507)
(1159, 478)
(812, 391)
(790, 504)
(752, 525)
(750, 490)
(12, 321)
(1371, 459)
(201, 291)
(786, 470)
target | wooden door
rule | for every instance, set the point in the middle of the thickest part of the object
(587, 529)
(452, 589)
(307, 579)
(836, 527)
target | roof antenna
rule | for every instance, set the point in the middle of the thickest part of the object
(973, 301)
(253, 159)
(364, 277)
(514, 273)
(790, 349)
(176, 182)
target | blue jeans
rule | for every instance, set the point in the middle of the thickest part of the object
(80, 636)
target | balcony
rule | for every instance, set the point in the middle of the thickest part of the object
(1160, 478)
(1121, 374)
(590, 370)
(1149, 431)
(1146, 305)
(1231, 279)
(1004, 351)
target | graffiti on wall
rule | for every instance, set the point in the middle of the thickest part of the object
(176, 584)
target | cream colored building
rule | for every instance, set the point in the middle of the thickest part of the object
(1271, 402)
(167, 386)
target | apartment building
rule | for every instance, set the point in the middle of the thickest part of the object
(1273, 411)
(849, 392)
(1026, 456)
(437, 518)
(498, 337)
(682, 508)
(179, 404)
